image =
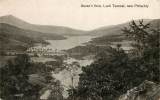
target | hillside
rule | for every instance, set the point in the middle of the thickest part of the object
(56, 30)
(108, 36)
(114, 33)
(15, 38)
(16, 34)
(113, 29)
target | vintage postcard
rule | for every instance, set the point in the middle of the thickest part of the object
(79, 49)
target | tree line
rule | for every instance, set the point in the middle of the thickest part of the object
(112, 73)
(115, 71)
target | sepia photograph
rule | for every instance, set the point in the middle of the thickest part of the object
(79, 50)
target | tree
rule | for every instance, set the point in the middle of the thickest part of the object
(56, 91)
(22, 79)
(103, 79)
(14, 79)
(73, 69)
(115, 71)
(146, 43)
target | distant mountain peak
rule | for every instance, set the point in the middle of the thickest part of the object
(11, 19)
(14, 21)
(8, 15)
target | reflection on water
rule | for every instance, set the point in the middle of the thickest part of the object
(68, 43)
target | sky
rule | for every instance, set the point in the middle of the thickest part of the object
(70, 13)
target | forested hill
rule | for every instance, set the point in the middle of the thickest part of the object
(56, 30)
(116, 29)
(14, 38)
(112, 35)
(115, 34)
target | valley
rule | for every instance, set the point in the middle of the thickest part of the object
(59, 47)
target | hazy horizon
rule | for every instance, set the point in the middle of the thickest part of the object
(70, 14)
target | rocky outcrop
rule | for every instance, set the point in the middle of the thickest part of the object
(146, 91)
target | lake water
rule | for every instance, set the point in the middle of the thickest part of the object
(68, 43)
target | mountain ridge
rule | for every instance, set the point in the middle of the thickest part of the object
(109, 30)
(13, 29)
(60, 30)
(12, 37)
(115, 34)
